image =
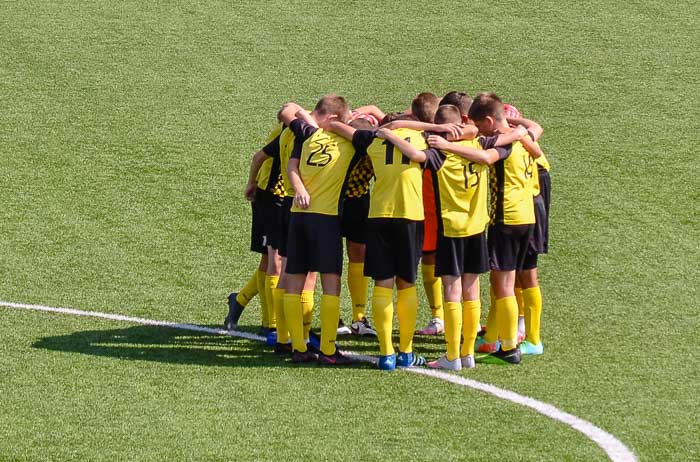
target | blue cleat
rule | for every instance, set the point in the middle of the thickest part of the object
(387, 363)
(271, 338)
(409, 360)
(527, 348)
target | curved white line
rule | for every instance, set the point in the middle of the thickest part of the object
(613, 447)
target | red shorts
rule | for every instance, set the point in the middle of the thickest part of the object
(430, 226)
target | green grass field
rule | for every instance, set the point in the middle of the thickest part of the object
(125, 132)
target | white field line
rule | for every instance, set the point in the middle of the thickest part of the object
(613, 447)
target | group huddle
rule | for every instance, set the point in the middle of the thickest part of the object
(459, 186)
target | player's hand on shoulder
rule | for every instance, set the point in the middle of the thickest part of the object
(383, 133)
(437, 142)
(522, 131)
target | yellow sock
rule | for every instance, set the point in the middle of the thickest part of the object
(264, 312)
(383, 312)
(307, 310)
(508, 322)
(278, 303)
(330, 313)
(453, 328)
(492, 321)
(433, 291)
(519, 298)
(471, 315)
(292, 311)
(533, 313)
(357, 285)
(249, 291)
(270, 283)
(407, 309)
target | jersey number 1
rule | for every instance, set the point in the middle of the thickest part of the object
(390, 153)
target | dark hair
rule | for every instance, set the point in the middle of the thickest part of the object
(361, 124)
(390, 117)
(461, 100)
(424, 107)
(448, 114)
(486, 105)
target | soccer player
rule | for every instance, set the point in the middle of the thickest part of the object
(318, 170)
(512, 218)
(260, 191)
(353, 228)
(461, 192)
(394, 235)
(423, 108)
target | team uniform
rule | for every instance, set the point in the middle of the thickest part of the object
(394, 236)
(539, 243)
(267, 193)
(461, 198)
(314, 241)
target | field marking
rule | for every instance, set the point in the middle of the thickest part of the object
(614, 448)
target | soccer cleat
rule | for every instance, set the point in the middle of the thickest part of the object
(468, 362)
(336, 359)
(527, 348)
(283, 349)
(265, 331)
(436, 326)
(481, 346)
(521, 337)
(443, 363)
(314, 340)
(235, 310)
(502, 357)
(387, 363)
(343, 329)
(362, 328)
(409, 360)
(271, 339)
(307, 356)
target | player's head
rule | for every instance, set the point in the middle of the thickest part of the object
(461, 100)
(448, 114)
(390, 117)
(331, 106)
(423, 107)
(361, 124)
(487, 112)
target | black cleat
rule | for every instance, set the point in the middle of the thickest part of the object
(283, 349)
(336, 359)
(235, 310)
(307, 356)
(501, 357)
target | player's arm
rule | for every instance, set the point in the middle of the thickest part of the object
(372, 110)
(342, 129)
(480, 156)
(533, 127)
(454, 131)
(256, 163)
(511, 136)
(306, 117)
(301, 195)
(288, 112)
(531, 146)
(404, 146)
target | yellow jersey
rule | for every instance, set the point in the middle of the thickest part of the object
(398, 186)
(512, 181)
(325, 159)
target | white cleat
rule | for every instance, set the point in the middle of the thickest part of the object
(468, 362)
(443, 363)
(436, 326)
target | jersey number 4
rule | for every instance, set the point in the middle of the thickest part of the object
(390, 153)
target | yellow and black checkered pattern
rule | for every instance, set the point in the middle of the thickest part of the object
(278, 188)
(360, 176)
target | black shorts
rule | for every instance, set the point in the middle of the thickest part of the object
(258, 240)
(279, 226)
(542, 216)
(354, 220)
(538, 241)
(394, 248)
(508, 245)
(314, 244)
(530, 261)
(459, 255)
